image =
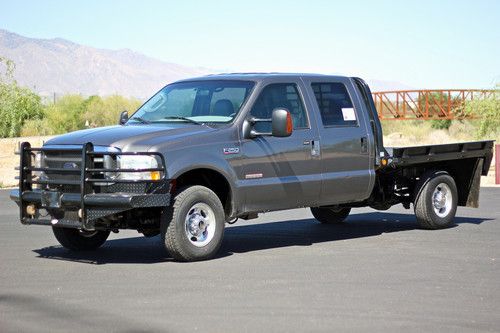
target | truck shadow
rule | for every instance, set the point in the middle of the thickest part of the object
(247, 238)
(308, 231)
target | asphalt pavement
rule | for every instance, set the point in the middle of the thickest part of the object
(283, 272)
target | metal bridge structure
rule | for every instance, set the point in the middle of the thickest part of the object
(427, 104)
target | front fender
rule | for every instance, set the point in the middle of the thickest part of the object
(178, 164)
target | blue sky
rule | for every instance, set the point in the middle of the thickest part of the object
(423, 44)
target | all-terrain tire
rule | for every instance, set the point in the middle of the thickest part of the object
(329, 215)
(175, 231)
(431, 209)
(76, 240)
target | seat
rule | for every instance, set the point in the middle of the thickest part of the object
(332, 114)
(223, 107)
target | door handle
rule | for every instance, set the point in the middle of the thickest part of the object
(307, 142)
(315, 148)
(364, 145)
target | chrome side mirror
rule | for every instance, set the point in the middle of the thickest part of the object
(123, 117)
(282, 123)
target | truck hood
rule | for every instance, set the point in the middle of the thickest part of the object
(126, 137)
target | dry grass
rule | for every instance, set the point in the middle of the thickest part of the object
(417, 132)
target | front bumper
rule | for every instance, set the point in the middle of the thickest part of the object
(81, 200)
(97, 205)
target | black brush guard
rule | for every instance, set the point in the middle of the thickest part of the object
(87, 205)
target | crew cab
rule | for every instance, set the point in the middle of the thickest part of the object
(206, 151)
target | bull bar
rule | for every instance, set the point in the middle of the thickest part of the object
(89, 205)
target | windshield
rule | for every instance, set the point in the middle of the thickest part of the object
(195, 102)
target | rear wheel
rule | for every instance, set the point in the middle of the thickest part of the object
(79, 240)
(193, 227)
(436, 200)
(330, 215)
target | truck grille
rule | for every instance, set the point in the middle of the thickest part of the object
(84, 170)
(69, 160)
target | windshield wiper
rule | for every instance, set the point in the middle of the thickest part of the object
(183, 118)
(141, 120)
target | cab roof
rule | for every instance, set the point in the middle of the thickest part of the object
(256, 76)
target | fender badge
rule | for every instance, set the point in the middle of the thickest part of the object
(231, 150)
(253, 175)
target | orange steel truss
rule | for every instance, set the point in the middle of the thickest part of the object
(427, 104)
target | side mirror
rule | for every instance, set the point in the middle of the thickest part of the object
(123, 117)
(282, 123)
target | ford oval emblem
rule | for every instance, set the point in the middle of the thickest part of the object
(70, 165)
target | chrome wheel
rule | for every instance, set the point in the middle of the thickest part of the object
(200, 224)
(442, 200)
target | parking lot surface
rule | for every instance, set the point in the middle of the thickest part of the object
(283, 272)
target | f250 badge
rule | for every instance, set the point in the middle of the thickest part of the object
(231, 150)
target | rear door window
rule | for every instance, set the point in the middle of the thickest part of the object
(334, 104)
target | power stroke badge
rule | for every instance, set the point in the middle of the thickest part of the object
(231, 150)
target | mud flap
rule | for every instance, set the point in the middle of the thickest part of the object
(473, 197)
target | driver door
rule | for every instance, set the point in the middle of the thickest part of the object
(281, 173)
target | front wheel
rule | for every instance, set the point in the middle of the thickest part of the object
(435, 200)
(330, 215)
(193, 227)
(79, 240)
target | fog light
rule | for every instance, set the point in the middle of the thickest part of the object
(31, 209)
(155, 175)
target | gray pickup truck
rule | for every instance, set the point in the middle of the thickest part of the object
(206, 151)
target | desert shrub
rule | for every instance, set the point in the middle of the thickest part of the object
(441, 123)
(66, 114)
(103, 111)
(74, 112)
(17, 104)
(487, 112)
(23, 113)
(36, 127)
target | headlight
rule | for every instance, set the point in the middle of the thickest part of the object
(36, 162)
(37, 159)
(138, 162)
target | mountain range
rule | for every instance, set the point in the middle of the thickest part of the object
(58, 66)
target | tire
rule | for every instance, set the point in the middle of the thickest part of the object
(76, 240)
(329, 215)
(435, 200)
(193, 227)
